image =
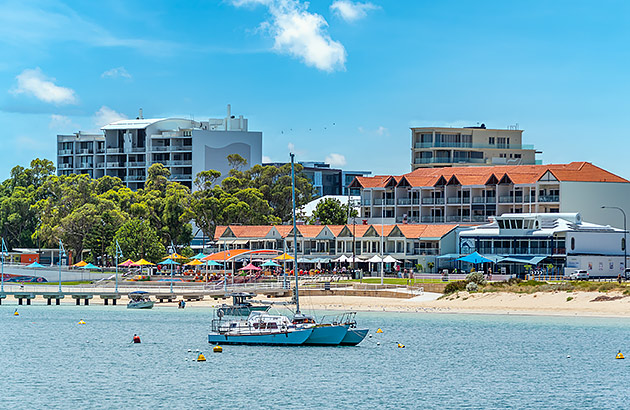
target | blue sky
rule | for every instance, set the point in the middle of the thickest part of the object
(334, 79)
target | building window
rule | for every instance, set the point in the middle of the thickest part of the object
(491, 140)
(623, 244)
(572, 244)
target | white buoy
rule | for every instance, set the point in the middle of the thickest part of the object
(189, 350)
(568, 356)
(378, 343)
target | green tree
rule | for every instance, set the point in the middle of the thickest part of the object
(137, 239)
(329, 211)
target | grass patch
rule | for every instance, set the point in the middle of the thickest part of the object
(79, 282)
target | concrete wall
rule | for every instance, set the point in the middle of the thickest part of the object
(595, 243)
(595, 265)
(587, 198)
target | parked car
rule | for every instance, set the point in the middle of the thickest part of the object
(579, 274)
(626, 275)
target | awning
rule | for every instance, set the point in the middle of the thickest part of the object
(449, 256)
(531, 261)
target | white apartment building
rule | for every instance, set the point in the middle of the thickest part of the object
(470, 146)
(470, 195)
(127, 148)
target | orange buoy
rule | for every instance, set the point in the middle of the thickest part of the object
(136, 339)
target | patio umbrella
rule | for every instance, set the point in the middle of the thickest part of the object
(168, 261)
(213, 263)
(35, 265)
(342, 258)
(80, 264)
(194, 262)
(126, 263)
(284, 257)
(199, 256)
(390, 259)
(142, 262)
(271, 263)
(375, 259)
(175, 255)
(249, 266)
(475, 258)
(89, 266)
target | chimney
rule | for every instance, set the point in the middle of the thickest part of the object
(140, 114)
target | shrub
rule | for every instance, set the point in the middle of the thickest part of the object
(569, 298)
(472, 287)
(453, 287)
(605, 287)
(514, 281)
(476, 278)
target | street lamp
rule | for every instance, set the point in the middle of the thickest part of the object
(625, 243)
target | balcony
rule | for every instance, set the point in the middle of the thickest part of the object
(549, 198)
(114, 150)
(85, 151)
(160, 148)
(100, 165)
(478, 200)
(479, 218)
(65, 166)
(115, 165)
(135, 178)
(491, 200)
(181, 148)
(137, 164)
(447, 160)
(416, 201)
(389, 201)
(65, 152)
(379, 201)
(453, 200)
(181, 162)
(428, 201)
(506, 199)
(139, 149)
(100, 150)
(471, 145)
(424, 251)
(409, 220)
(432, 219)
(404, 201)
(366, 202)
(177, 177)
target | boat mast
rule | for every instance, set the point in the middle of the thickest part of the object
(295, 261)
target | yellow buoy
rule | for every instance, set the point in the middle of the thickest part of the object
(16, 313)
(81, 322)
(401, 346)
(619, 356)
(379, 330)
(201, 358)
(217, 349)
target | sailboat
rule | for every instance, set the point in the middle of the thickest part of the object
(267, 329)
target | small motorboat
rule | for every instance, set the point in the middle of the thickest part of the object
(140, 300)
(241, 306)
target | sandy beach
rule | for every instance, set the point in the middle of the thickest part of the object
(610, 304)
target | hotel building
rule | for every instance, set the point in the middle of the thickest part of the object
(470, 195)
(127, 148)
(470, 146)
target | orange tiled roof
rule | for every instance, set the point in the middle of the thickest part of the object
(519, 174)
(425, 231)
(310, 231)
(284, 230)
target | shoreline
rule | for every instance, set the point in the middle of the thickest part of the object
(556, 304)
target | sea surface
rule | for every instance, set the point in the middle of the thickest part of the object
(48, 360)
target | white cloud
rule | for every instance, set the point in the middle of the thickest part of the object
(106, 115)
(266, 159)
(60, 122)
(351, 11)
(301, 34)
(382, 130)
(336, 160)
(291, 147)
(116, 72)
(35, 83)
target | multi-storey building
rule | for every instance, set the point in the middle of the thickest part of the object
(447, 147)
(472, 194)
(127, 148)
(326, 180)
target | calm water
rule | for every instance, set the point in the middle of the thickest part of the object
(450, 361)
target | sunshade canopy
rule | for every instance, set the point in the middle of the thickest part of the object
(128, 262)
(342, 258)
(270, 263)
(199, 256)
(175, 255)
(213, 263)
(284, 257)
(142, 262)
(35, 265)
(168, 261)
(194, 262)
(80, 264)
(249, 266)
(375, 259)
(474, 257)
(390, 259)
(89, 266)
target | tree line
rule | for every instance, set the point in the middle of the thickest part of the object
(39, 208)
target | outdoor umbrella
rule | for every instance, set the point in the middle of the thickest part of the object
(475, 258)
(80, 264)
(89, 266)
(390, 259)
(375, 259)
(284, 257)
(142, 262)
(168, 261)
(35, 265)
(199, 256)
(194, 262)
(249, 266)
(126, 263)
(213, 263)
(342, 258)
(270, 263)
(175, 255)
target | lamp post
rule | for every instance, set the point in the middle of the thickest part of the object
(382, 239)
(625, 242)
(62, 253)
(4, 252)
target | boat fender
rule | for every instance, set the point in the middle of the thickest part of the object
(136, 339)
(619, 355)
(379, 330)
(217, 349)
(201, 358)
